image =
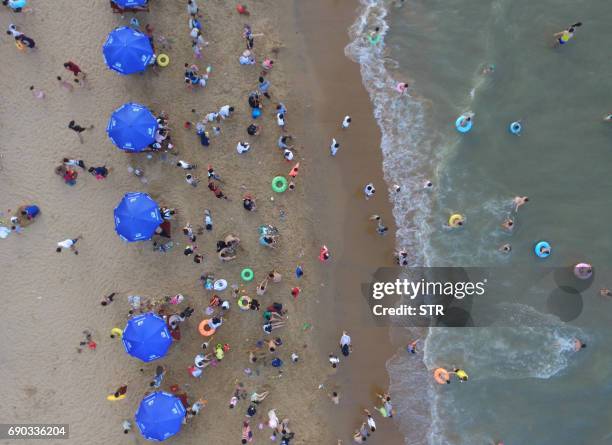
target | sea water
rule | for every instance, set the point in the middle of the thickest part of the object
(527, 384)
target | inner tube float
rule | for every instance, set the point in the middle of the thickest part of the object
(463, 129)
(456, 220)
(515, 128)
(116, 332)
(220, 285)
(279, 184)
(542, 249)
(247, 274)
(204, 328)
(441, 376)
(163, 60)
(256, 113)
(244, 303)
(374, 39)
(583, 271)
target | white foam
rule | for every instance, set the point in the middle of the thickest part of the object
(408, 157)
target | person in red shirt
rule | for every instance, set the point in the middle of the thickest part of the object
(74, 69)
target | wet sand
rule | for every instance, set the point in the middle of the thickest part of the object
(357, 250)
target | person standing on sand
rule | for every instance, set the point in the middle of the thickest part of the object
(369, 190)
(68, 244)
(127, 426)
(346, 122)
(345, 344)
(75, 69)
(264, 87)
(334, 397)
(334, 147)
(370, 420)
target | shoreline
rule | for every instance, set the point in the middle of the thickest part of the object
(343, 213)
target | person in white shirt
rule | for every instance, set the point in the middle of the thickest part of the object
(371, 422)
(288, 155)
(68, 244)
(334, 147)
(334, 360)
(211, 117)
(280, 119)
(185, 165)
(346, 122)
(192, 7)
(243, 147)
(192, 180)
(345, 340)
(226, 111)
(369, 190)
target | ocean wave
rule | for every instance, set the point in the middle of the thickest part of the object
(408, 155)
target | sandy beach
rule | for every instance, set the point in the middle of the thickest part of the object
(53, 297)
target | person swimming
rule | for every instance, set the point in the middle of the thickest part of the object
(566, 35)
(461, 374)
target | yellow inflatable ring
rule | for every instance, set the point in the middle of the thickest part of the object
(116, 331)
(163, 60)
(244, 303)
(20, 46)
(456, 220)
(204, 329)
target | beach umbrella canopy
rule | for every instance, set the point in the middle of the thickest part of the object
(127, 51)
(160, 416)
(136, 217)
(130, 3)
(132, 127)
(146, 337)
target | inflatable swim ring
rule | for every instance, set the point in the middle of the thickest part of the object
(256, 113)
(247, 274)
(163, 60)
(116, 331)
(464, 129)
(204, 328)
(220, 285)
(441, 376)
(542, 245)
(456, 220)
(244, 303)
(374, 39)
(515, 128)
(112, 397)
(279, 184)
(583, 271)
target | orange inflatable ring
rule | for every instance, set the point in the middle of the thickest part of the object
(441, 376)
(205, 329)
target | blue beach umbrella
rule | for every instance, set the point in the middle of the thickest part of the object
(146, 337)
(127, 51)
(130, 3)
(136, 217)
(160, 416)
(132, 127)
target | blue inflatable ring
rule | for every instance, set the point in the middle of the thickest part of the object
(461, 129)
(515, 128)
(538, 249)
(256, 113)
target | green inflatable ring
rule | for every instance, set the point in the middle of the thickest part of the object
(247, 274)
(279, 184)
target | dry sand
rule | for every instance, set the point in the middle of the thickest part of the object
(50, 298)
